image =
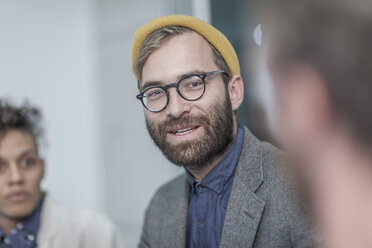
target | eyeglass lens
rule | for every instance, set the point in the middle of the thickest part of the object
(190, 88)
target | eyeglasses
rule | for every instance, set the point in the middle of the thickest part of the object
(190, 88)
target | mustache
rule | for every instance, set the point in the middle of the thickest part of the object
(184, 121)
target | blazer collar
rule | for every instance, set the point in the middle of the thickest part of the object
(245, 208)
(175, 226)
(249, 168)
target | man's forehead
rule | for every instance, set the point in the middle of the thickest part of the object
(179, 56)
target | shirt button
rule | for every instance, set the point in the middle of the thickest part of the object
(30, 237)
(200, 186)
(7, 241)
(203, 223)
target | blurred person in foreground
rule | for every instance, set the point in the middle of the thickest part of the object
(29, 218)
(234, 192)
(320, 59)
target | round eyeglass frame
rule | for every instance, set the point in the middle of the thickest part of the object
(176, 84)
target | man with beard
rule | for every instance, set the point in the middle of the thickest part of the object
(234, 193)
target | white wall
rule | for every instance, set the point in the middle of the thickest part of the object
(47, 55)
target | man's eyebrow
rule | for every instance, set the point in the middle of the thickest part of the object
(28, 151)
(158, 83)
(150, 83)
(195, 72)
(24, 153)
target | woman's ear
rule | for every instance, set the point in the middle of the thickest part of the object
(236, 91)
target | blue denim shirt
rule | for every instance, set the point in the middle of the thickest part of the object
(209, 198)
(25, 233)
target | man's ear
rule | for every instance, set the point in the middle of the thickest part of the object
(236, 91)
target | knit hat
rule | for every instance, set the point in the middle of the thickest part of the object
(215, 37)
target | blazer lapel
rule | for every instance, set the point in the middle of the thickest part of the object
(245, 208)
(175, 226)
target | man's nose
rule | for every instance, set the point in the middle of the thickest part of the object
(15, 174)
(177, 106)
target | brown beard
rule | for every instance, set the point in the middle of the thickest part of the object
(218, 135)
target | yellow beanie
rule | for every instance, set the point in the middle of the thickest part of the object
(215, 37)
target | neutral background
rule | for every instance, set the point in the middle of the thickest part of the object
(72, 59)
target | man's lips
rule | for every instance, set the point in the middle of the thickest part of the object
(183, 130)
(18, 196)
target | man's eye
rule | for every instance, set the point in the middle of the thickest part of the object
(194, 85)
(28, 162)
(154, 94)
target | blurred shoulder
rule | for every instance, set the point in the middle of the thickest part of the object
(78, 225)
(76, 216)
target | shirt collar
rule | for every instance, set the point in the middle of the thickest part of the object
(31, 223)
(216, 179)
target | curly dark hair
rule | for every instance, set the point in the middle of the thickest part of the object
(26, 118)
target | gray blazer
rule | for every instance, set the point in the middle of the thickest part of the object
(263, 211)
